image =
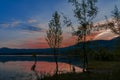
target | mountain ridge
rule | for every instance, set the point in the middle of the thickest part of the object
(104, 43)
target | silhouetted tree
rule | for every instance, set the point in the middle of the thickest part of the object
(35, 62)
(114, 24)
(116, 16)
(54, 36)
(116, 50)
(34, 66)
(85, 11)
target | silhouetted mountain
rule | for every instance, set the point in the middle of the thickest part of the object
(109, 44)
(8, 51)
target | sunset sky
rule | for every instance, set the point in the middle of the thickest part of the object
(23, 23)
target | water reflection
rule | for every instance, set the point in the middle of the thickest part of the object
(21, 70)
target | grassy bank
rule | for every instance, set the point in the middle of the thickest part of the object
(98, 70)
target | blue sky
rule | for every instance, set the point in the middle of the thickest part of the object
(23, 23)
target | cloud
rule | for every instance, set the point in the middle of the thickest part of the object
(4, 25)
(29, 28)
(32, 21)
(17, 25)
(38, 42)
(10, 24)
(105, 35)
(43, 27)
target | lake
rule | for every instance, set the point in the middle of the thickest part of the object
(19, 67)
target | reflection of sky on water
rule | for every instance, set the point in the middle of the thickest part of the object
(22, 70)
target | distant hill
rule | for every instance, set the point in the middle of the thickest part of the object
(109, 44)
(9, 51)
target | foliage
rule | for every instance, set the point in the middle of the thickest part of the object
(114, 25)
(85, 11)
(54, 35)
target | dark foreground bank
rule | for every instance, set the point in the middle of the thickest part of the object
(98, 70)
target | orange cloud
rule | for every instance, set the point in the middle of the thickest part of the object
(40, 42)
(35, 43)
(69, 41)
(91, 36)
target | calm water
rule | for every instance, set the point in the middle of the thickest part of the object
(19, 67)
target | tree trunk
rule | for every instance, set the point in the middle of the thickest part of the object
(56, 62)
(85, 58)
(69, 61)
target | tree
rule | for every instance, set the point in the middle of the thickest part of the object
(54, 36)
(85, 11)
(116, 16)
(35, 62)
(114, 25)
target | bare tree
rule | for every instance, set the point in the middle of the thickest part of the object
(116, 23)
(54, 36)
(85, 11)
